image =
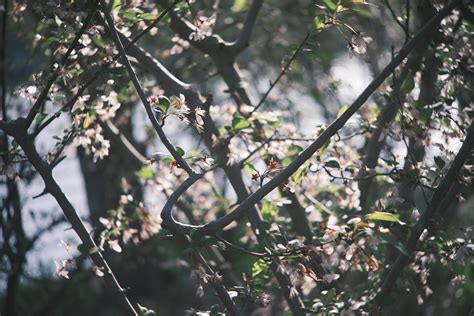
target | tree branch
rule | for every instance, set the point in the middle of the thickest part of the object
(63, 63)
(440, 200)
(18, 130)
(244, 38)
(387, 115)
(151, 116)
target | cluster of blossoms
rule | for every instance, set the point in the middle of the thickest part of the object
(200, 276)
(177, 106)
(130, 222)
(86, 121)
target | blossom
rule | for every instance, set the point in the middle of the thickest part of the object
(114, 245)
(64, 267)
(80, 103)
(179, 102)
(199, 115)
(272, 164)
(358, 44)
(107, 106)
(202, 28)
(329, 278)
(61, 270)
(98, 271)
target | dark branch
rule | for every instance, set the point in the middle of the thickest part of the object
(244, 38)
(151, 116)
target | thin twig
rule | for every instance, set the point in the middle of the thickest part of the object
(100, 71)
(281, 74)
(151, 116)
(63, 63)
(439, 201)
(394, 15)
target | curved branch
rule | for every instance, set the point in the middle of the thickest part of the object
(332, 129)
(326, 135)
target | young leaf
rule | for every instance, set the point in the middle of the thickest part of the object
(163, 103)
(330, 5)
(180, 151)
(332, 163)
(145, 173)
(318, 24)
(407, 85)
(259, 267)
(238, 122)
(383, 216)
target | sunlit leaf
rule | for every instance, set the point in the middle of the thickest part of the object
(342, 110)
(145, 173)
(259, 267)
(330, 5)
(384, 216)
(239, 123)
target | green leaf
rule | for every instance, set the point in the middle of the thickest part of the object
(323, 148)
(274, 123)
(440, 163)
(407, 85)
(145, 173)
(318, 24)
(98, 41)
(269, 210)
(163, 103)
(239, 123)
(259, 267)
(329, 296)
(129, 15)
(330, 5)
(40, 118)
(167, 160)
(248, 168)
(384, 216)
(332, 163)
(301, 172)
(349, 2)
(180, 151)
(147, 16)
